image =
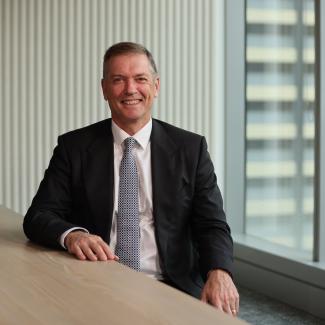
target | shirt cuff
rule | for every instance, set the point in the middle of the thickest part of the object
(62, 237)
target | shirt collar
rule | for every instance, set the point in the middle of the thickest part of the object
(142, 136)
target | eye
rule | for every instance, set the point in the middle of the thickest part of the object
(117, 80)
(142, 79)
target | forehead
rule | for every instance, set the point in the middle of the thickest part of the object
(128, 63)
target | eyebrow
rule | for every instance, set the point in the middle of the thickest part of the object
(143, 75)
(137, 75)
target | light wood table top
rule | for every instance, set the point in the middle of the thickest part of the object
(43, 286)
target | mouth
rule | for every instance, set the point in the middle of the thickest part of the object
(131, 101)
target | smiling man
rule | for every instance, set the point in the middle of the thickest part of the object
(130, 85)
(137, 190)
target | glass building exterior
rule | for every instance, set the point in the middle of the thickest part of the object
(280, 123)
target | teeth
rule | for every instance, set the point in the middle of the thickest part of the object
(131, 102)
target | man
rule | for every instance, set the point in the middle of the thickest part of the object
(180, 234)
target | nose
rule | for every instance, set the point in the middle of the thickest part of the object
(130, 87)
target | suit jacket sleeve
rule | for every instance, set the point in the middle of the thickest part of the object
(48, 216)
(210, 227)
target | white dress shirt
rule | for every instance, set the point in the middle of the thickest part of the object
(149, 259)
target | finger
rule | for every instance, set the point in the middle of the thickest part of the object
(90, 255)
(234, 311)
(98, 251)
(219, 307)
(237, 304)
(110, 255)
(204, 297)
(228, 310)
(215, 302)
(78, 253)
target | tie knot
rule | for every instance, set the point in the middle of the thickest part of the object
(129, 144)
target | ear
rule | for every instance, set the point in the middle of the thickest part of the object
(103, 83)
(157, 86)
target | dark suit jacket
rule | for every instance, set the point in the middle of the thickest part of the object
(190, 226)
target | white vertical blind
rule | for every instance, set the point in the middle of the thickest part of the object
(50, 68)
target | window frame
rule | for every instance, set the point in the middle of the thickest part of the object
(256, 265)
(319, 221)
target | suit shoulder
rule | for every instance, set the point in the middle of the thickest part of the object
(177, 133)
(87, 132)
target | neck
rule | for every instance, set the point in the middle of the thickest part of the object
(131, 128)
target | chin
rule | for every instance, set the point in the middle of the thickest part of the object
(135, 114)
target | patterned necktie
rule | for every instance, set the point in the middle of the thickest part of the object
(128, 230)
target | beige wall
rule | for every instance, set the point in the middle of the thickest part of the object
(50, 68)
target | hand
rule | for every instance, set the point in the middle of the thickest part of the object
(220, 291)
(88, 247)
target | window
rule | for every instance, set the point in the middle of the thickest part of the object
(280, 123)
(275, 147)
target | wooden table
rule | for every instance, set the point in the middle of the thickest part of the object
(43, 286)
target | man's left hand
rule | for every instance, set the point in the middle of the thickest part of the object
(220, 291)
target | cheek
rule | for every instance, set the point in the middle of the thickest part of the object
(148, 93)
(114, 93)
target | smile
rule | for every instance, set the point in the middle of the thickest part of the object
(131, 101)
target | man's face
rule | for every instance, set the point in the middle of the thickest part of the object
(130, 88)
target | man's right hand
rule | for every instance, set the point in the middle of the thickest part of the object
(88, 247)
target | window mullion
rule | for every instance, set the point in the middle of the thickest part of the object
(319, 230)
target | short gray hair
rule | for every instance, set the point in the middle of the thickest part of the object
(127, 48)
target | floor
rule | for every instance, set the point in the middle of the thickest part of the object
(261, 310)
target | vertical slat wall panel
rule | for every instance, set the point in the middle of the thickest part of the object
(50, 67)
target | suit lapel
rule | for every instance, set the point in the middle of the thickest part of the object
(99, 180)
(163, 162)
